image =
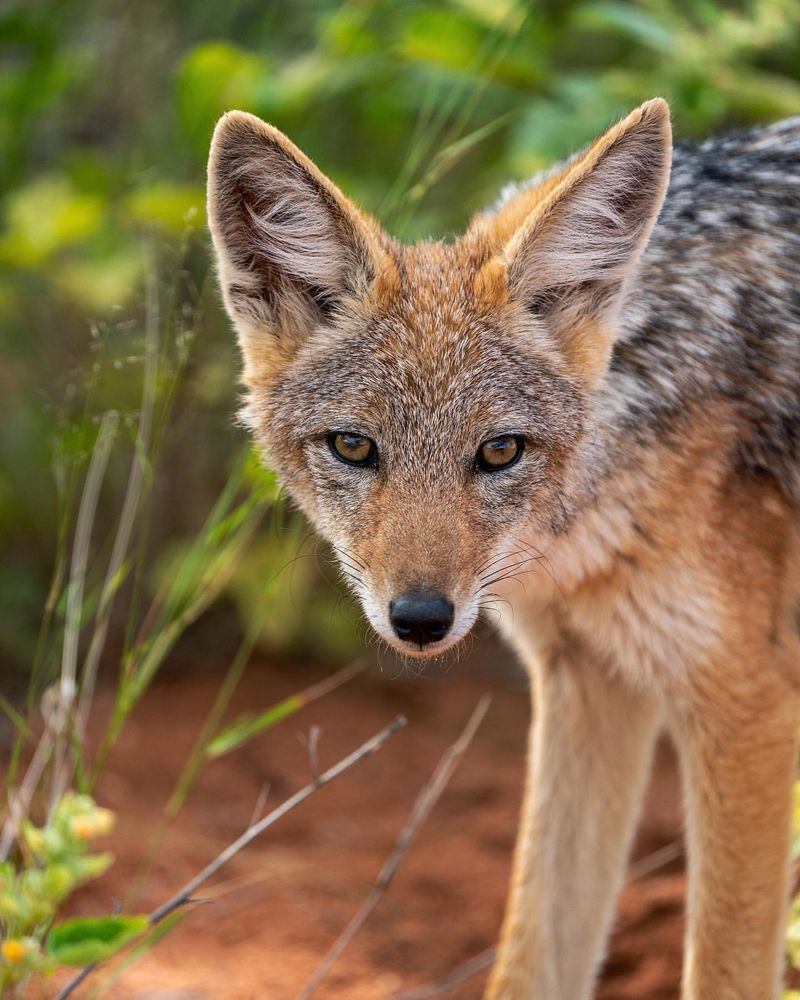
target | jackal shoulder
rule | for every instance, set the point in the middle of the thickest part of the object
(712, 320)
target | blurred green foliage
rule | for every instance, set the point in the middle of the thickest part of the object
(54, 861)
(420, 110)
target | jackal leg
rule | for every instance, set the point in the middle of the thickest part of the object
(737, 741)
(590, 748)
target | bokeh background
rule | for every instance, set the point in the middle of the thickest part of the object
(420, 110)
(117, 357)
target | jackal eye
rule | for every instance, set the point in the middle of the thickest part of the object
(499, 453)
(353, 449)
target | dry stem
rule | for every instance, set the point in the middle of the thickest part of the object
(423, 806)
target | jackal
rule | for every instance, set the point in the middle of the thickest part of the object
(583, 414)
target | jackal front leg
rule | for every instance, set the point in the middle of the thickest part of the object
(590, 747)
(737, 742)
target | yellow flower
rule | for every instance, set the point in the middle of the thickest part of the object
(83, 827)
(103, 820)
(13, 951)
(93, 824)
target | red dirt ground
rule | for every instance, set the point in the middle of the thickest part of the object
(273, 913)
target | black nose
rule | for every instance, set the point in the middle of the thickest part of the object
(421, 617)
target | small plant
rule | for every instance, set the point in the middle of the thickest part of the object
(54, 860)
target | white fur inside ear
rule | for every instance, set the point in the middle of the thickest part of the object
(592, 234)
(290, 247)
(292, 225)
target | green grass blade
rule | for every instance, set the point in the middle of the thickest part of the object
(246, 727)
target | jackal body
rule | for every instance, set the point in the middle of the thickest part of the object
(583, 416)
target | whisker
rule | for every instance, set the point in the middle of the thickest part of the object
(514, 576)
(547, 565)
(490, 606)
(488, 563)
(519, 562)
(504, 570)
(349, 565)
(504, 555)
(351, 556)
(352, 576)
(495, 599)
(506, 576)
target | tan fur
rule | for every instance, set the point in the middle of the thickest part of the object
(665, 597)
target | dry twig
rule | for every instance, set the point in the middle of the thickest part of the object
(455, 977)
(185, 895)
(311, 743)
(261, 802)
(657, 859)
(423, 806)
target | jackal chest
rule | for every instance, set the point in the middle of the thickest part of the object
(650, 620)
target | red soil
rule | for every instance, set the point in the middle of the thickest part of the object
(273, 913)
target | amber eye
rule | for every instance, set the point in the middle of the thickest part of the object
(353, 449)
(499, 453)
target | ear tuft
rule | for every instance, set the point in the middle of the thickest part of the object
(290, 246)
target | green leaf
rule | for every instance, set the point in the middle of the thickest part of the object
(86, 940)
(91, 865)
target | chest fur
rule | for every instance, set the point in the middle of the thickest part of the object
(640, 604)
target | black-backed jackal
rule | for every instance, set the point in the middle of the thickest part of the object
(584, 414)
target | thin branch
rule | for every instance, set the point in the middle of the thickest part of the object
(311, 743)
(657, 859)
(426, 800)
(185, 895)
(19, 802)
(456, 977)
(258, 810)
(485, 959)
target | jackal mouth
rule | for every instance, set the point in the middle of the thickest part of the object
(426, 651)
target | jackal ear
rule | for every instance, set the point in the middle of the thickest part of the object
(570, 260)
(290, 247)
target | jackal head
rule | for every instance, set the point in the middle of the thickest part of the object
(426, 406)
